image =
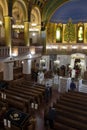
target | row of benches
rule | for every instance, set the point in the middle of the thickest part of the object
(71, 111)
(23, 96)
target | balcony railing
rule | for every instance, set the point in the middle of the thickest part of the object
(23, 50)
(66, 48)
(38, 49)
(4, 52)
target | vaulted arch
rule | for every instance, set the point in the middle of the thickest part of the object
(35, 15)
(19, 10)
(50, 7)
(4, 6)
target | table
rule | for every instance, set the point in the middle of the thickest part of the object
(16, 120)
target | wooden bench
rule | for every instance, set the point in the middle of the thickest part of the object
(23, 103)
(20, 94)
(32, 84)
(80, 93)
(60, 126)
(70, 104)
(73, 116)
(36, 97)
(71, 123)
(31, 89)
(77, 98)
(77, 94)
(75, 101)
(70, 109)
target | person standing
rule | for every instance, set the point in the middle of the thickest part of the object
(51, 117)
(72, 85)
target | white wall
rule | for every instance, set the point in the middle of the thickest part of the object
(64, 59)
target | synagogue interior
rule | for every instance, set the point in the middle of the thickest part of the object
(43, 50)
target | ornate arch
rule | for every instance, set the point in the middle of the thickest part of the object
(35, 15)
(4, 5)
(23, 9)
(50, 7)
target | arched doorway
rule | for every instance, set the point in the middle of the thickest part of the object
(78, 61)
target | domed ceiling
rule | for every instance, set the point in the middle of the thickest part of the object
(74, 9)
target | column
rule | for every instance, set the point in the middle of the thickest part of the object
(26, 33)
(43, 40)
(7, 24)
(8, 71)
(27, 67)
(48, 63)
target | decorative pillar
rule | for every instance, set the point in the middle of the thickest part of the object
(8, 71)
(7, 24)
(27, 67)
(43, 35)
(26, 33)
(48, 63)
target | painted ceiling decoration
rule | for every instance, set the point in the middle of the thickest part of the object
(53, 10)
(74, 9)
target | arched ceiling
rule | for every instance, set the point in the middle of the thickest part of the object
(74, 9)
(35, 16)
(50, 7)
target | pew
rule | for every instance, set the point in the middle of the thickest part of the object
(70, 109)
(25, 92)
(74, 100)
(73, 116)
(33, 87)
(33, 84)
(76, 92)
(60, 126)
(70, 104)
(29, 99)
(71, 123)
(75, 97)
(30, 89)
(19, 94)
(71, 112)
(18, 102)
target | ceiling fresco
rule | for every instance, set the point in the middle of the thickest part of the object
(74, 9)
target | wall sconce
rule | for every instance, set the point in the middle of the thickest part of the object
(33, 34)
(32, 50)
(33, 29)
(33, 24)
(48, 47)
(64, 47)
(1, 23)
(74, 47)
(18, 26)
(84, 47)
(54, 47)
(14, 51)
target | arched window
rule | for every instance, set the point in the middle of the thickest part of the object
(59, 34)
(80, 34)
